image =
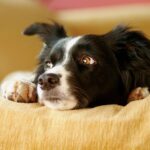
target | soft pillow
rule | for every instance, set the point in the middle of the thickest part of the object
(32, 126)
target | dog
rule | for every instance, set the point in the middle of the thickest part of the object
(90, 70)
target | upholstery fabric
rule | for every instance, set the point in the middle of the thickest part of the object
(31, 126)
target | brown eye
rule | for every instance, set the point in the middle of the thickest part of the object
(87, 60)
(48, 64)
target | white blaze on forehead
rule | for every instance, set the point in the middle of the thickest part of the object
(59, 68)
(70, 43)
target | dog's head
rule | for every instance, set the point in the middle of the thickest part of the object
(76, 72)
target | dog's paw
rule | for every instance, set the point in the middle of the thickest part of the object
(19, 91)
(138, 93)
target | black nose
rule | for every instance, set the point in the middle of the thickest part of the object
(48, 81)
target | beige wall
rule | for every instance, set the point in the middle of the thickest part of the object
(18, 52)
(102, 20)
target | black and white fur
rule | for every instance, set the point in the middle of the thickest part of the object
(89, 70)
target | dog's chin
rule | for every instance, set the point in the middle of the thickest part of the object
(56, 99)
(60, 104)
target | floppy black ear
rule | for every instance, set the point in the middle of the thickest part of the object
(131, 48)
(49, 33)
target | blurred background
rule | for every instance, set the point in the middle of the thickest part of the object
(18, 52)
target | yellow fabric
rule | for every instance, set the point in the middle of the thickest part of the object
(111, 127)
(19, 52)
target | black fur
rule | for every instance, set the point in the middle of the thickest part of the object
(132, 51)
(123, 63)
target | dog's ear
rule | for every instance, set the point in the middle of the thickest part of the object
(130, 47)
(49, 33)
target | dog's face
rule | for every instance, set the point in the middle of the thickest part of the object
(76, 72)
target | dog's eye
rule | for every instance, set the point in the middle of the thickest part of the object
(87, 60)
(48, 64)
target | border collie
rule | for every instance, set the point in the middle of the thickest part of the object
(89, 70)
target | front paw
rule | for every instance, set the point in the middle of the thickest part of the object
(138, 93)
(20, 91)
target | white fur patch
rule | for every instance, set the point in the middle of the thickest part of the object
(68, 47)
(66, 100)
(62, 104)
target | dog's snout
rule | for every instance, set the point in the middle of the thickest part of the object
(48, 81)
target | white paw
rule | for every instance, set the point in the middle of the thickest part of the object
(138, 93)
(19, 91)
